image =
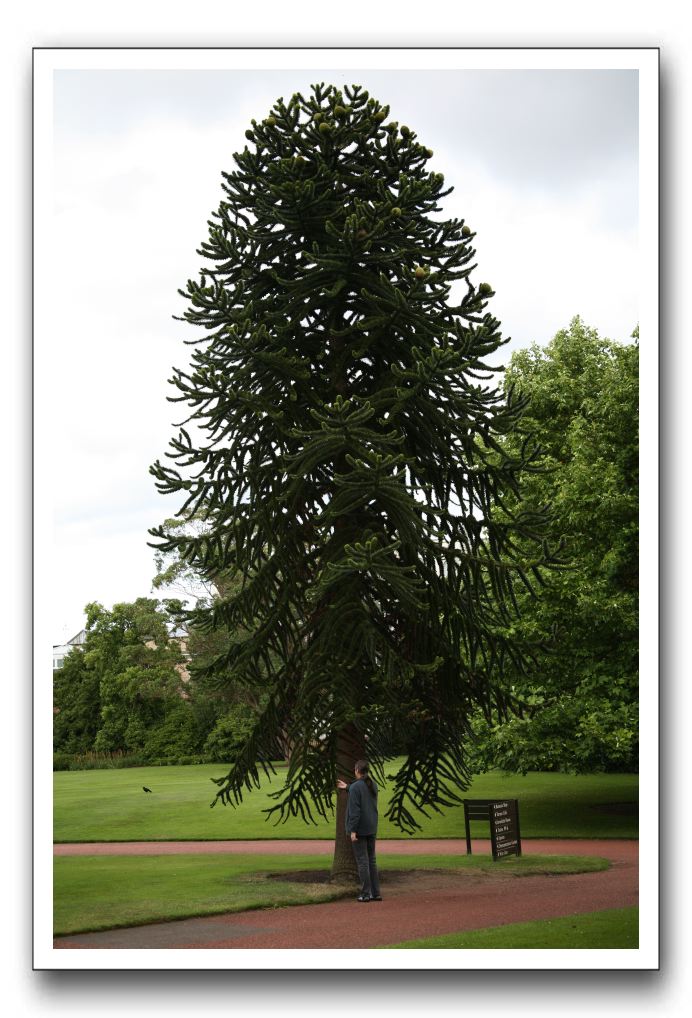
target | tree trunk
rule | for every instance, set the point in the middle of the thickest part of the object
(350, 747)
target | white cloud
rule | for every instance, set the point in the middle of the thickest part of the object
(548, 258)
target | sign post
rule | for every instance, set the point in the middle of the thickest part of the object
(503, 814)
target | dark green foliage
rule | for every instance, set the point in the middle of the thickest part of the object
(229, 734)
(122, 684)
(120, 699)
(62, 761)
(342, 446)
(96, 761)
(136, 661)
(76, 698)
(176, 735)
(582, 696)
(209, 700)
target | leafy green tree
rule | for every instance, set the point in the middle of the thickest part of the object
(177, 575)
(230, 733)
(123, 690)
(176, 735)
(76, 704)
(130, 651)
(211, 700)
(582, 697)
(343, 450)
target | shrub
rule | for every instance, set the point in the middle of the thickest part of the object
(229, 734)
(176, 737)
(96, 761)
(573, 734)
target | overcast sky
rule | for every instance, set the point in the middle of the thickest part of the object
(544, 165)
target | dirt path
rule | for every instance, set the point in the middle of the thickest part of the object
(420, 906)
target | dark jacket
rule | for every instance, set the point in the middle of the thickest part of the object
(361, 812)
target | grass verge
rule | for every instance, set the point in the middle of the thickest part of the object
(110, 805)
(104, 892)
(613, 928)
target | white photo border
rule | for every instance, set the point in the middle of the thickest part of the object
(646, 62)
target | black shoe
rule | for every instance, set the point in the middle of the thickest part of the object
(363, 897)
(376, 897)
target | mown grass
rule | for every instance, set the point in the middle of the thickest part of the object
(105, 892)
(109, 805)
(614, 928)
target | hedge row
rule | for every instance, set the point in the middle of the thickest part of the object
(113, 761)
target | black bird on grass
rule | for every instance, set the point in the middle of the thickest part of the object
(145, 789)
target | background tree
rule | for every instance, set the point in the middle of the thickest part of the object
(122, 691)
(175, 575)
(130, 649)
(76, 698)
(223, 709)
(583, 410)
(342, 448)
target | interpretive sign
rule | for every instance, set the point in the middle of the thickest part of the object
(503, 815)
(504, 828)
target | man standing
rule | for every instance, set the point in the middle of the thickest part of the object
(361, 826)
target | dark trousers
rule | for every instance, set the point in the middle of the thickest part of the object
(366, 860)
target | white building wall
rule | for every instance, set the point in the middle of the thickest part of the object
(61, 650)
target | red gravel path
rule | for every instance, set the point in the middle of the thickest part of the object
(430, 904)
(605, 847)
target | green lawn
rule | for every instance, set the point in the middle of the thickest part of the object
(109, 805)
(103, 892)
(614, 928)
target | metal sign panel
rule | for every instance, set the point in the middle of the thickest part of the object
(505, 838)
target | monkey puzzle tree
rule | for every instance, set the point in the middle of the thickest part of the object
(343, 452)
